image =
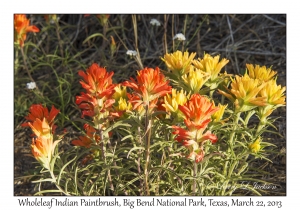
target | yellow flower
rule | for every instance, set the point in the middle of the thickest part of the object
(261, 73)
(255, 147)
(244, 93)
(123, 105)
(217, 116)
(210, 65)
(171, 101)
(274, 93)
(179, 62)
(121, 92)
(195, 79)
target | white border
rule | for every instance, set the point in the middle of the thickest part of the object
(115, 7)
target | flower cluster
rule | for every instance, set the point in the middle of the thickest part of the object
(257, 88)
(193, 74)
(197, 112)
(151, 84)
(41, 121)
(97, 100)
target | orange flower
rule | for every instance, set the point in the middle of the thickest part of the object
(97, 81)
(41, 128)
(197, 111)
(42, 149)
(41, 123)
(86, 141)
(22, 27)
(98, 99)
(38, 111)
(151, 84)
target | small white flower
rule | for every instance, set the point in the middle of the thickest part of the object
(131, 52)
(179, 36)
(154, 22)
(31, 85)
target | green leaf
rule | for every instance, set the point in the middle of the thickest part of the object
(92, 36)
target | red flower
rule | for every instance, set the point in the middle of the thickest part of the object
(150, 85)
(38, 111)
(197, 111)
(22, 27)
(86, 141)
(97, 81)
(100, 89)
(92, 106)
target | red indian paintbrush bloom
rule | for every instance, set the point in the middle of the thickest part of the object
(197, 112)
(40, 128)
(97, 81)
(150, 85)
(22, 27)
(41, 123)
(98, 99)
(92, 106)
(86, 141)
(38, 111)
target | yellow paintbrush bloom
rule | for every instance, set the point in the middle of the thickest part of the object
(274, 93)
(260, 72)
(275, 97)
(255, 146)
(178, 62)
(195, 79)
(123, 105)
(244, 93)
(120, 92)
(217, 116)
(171, 101)
(210, 65)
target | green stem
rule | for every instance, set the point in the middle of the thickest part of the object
(147, 143)
(103, 144)
(16, 62)
(230, 150)
(195, 178)
(59, 40)
(232, 134)
(55, 182)
(139, 161)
